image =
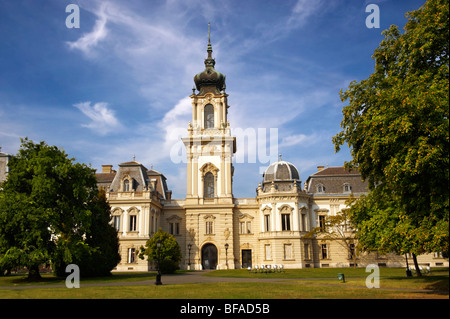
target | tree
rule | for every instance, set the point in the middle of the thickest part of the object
(169, 254)
(101, 240)
(48, 205)
(396, 125)
(337, 228)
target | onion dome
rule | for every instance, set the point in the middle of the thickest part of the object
(209, 80)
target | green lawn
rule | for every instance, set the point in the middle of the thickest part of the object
(303, 283)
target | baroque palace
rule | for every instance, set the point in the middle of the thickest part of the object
(216, 230)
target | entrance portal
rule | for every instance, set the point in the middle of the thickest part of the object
(209, 256)
(246, 258)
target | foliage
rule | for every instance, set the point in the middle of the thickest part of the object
(396, 125)
(48, 205)
(98, 254)
(169, 254)
(337, 228)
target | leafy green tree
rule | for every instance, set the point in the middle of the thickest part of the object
(396, 125)
(169, 253)
(48, 205)
(98, 254)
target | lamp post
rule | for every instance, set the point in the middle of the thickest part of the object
(189, 260)
(226, 254)
(158, 274)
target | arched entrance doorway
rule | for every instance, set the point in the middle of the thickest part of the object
(209, 256)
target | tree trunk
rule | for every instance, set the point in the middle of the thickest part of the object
(416, 265)
(33, 273)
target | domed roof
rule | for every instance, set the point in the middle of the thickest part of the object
(281, 171)
(209, 80)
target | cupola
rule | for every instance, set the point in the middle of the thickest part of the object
(209, 80)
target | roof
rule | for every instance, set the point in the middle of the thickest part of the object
(105, 177)
(339, 170)
(140, 175)
(281, 171)
(336, 180)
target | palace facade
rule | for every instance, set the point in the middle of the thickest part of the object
(217, 230)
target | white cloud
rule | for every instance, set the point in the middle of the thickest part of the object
(174, 125)
(89, 40)
(103, 118)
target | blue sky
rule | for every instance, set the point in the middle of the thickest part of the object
(118, 86)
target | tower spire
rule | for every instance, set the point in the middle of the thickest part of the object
(209, 32)
(209, 50)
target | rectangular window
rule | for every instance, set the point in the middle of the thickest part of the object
(267, 222)
(151, 225)
(287, 251)
(241, 228)
(322, 223)
(174, 228)
(324, 251)
(131, 255)
(116, 221)
(209, 228)
(249, 227)
(285, 222)
(268, 252)
(133, 219)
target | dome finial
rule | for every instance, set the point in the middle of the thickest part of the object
(209, 32)
(279, 157)
(209, 50)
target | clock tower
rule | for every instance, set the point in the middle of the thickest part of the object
(210, 148)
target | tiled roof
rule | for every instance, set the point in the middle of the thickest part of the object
(336, 171)
(105, 177)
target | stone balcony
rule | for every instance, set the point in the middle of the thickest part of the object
(142, 195)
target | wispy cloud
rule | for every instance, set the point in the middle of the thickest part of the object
(302, 11)
(103, 119)
(88, 41)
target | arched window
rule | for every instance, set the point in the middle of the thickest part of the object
(209, 116)
(126, 185)
(208, 185)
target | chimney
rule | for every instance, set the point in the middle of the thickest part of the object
(107, 169)
(319, 168)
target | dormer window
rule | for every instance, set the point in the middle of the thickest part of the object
(126, 185)
(320, 188)
(347, 188)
